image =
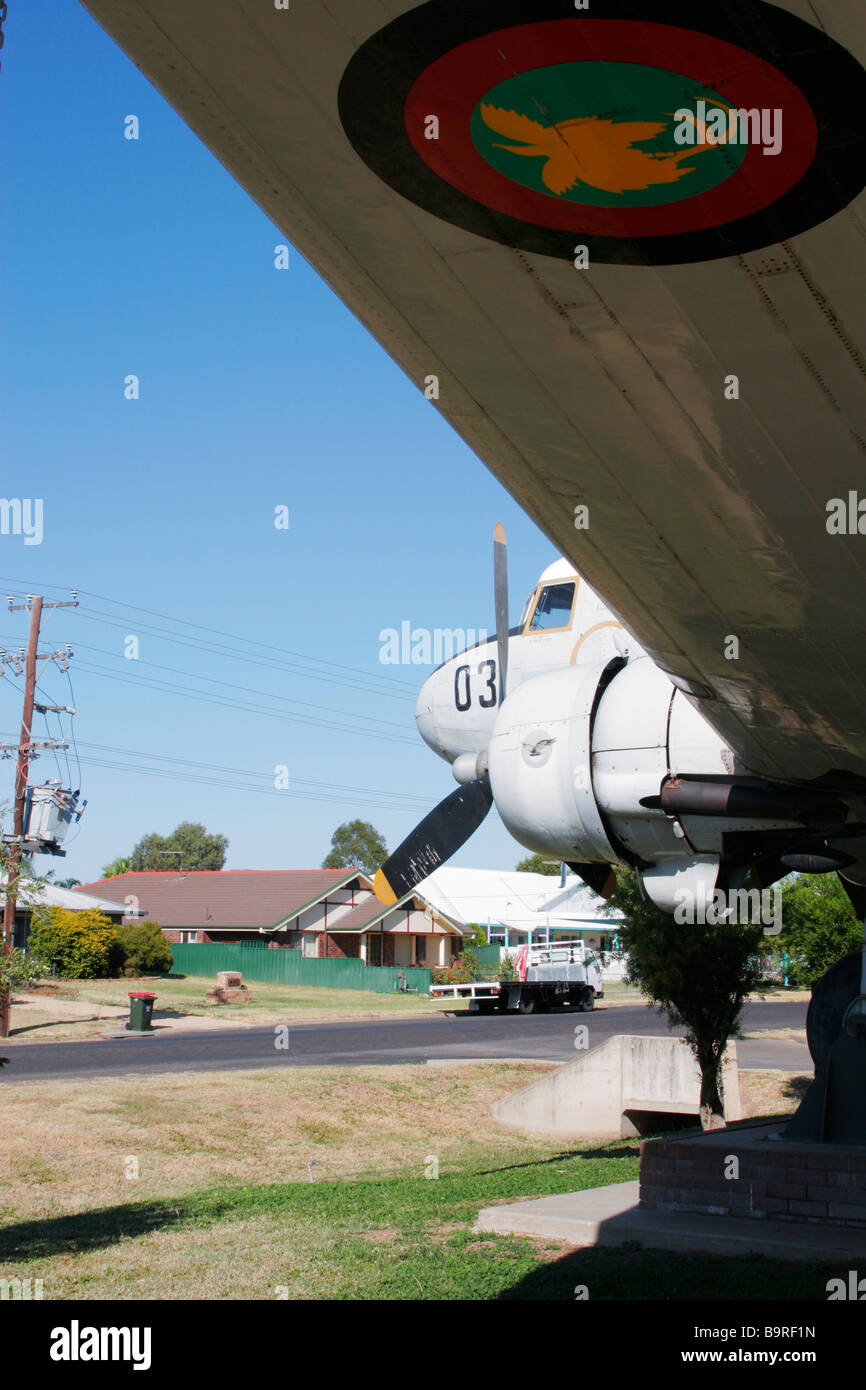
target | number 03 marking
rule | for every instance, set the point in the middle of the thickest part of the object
(462, 687)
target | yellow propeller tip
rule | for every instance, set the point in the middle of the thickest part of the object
(499, 533)
(383, 890)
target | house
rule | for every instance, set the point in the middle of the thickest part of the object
(320, 912)
(50, 895)
(517, 908)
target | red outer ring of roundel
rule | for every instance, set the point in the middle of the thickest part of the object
(452, 86)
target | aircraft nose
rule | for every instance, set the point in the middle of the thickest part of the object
(425, 718)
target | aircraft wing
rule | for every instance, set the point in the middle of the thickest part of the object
(621, 313)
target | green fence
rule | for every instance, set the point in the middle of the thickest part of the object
(489, 956)
(284, 967)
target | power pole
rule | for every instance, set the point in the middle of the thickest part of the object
(26, 750)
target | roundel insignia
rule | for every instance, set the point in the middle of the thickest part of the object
(650, 133)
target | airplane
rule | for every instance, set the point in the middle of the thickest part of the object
(563, 623)
(592, 755)
(666, 337)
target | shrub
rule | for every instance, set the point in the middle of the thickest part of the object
(458, 973)
(507, 969)
(468, 960)
(17, 971)
(80, 945)
(144, 949)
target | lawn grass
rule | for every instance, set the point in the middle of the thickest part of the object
(223, 1207)
(33, 1020)
(390, 1238)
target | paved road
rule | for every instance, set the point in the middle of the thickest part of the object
(544, 1037)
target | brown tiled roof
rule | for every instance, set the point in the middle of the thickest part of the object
(360, 916)
(224, 898)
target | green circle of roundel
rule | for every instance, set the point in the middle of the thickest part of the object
(601, 134)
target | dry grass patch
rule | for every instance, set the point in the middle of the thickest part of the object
(797, 1035)
(68, 1146)
(268, 1004)
(223, 1210)
(384, 1236)
(43, 1026)
(239, 1259)
(771, 1092)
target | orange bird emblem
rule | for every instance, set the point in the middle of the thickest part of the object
(594, 151)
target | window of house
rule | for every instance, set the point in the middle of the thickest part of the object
(553, 609)
(374, 948)
(189, 938)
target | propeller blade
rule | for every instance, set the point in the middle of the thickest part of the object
(500, 595)
(599, 877)
(438, 836)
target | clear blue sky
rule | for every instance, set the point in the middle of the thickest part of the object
(258, 388)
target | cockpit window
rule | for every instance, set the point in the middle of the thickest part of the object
(553, 608)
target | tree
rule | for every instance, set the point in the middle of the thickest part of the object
(16, 874)
(144, 948)
(537, 864)
(356, 844)
(197, 850)
(819, 925)
(700, 974)
(67, 882)
(478, 937)
(80, 945)
(19, 971)
(120, 865)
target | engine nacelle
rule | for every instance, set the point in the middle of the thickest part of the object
(540, 765)
(577, 760)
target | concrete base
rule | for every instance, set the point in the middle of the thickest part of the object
(610, 1216)
(628, 1085)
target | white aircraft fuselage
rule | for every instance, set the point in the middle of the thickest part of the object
(563, 623)
(597, 756)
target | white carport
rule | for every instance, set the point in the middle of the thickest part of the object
(517, 908)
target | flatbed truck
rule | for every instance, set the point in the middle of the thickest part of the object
(564, 973)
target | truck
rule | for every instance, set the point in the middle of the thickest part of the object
(564, 972)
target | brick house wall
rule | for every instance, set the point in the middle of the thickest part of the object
(173, 934)
(346, 947)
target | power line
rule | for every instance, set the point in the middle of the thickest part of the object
(299, 786)
(213, 649)
(386, 724)
(375, 684)
(373, 801)
(223, 777)
(171, 688)
(230, 685)
(72, 723)
(247, 772)
(234, 637)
